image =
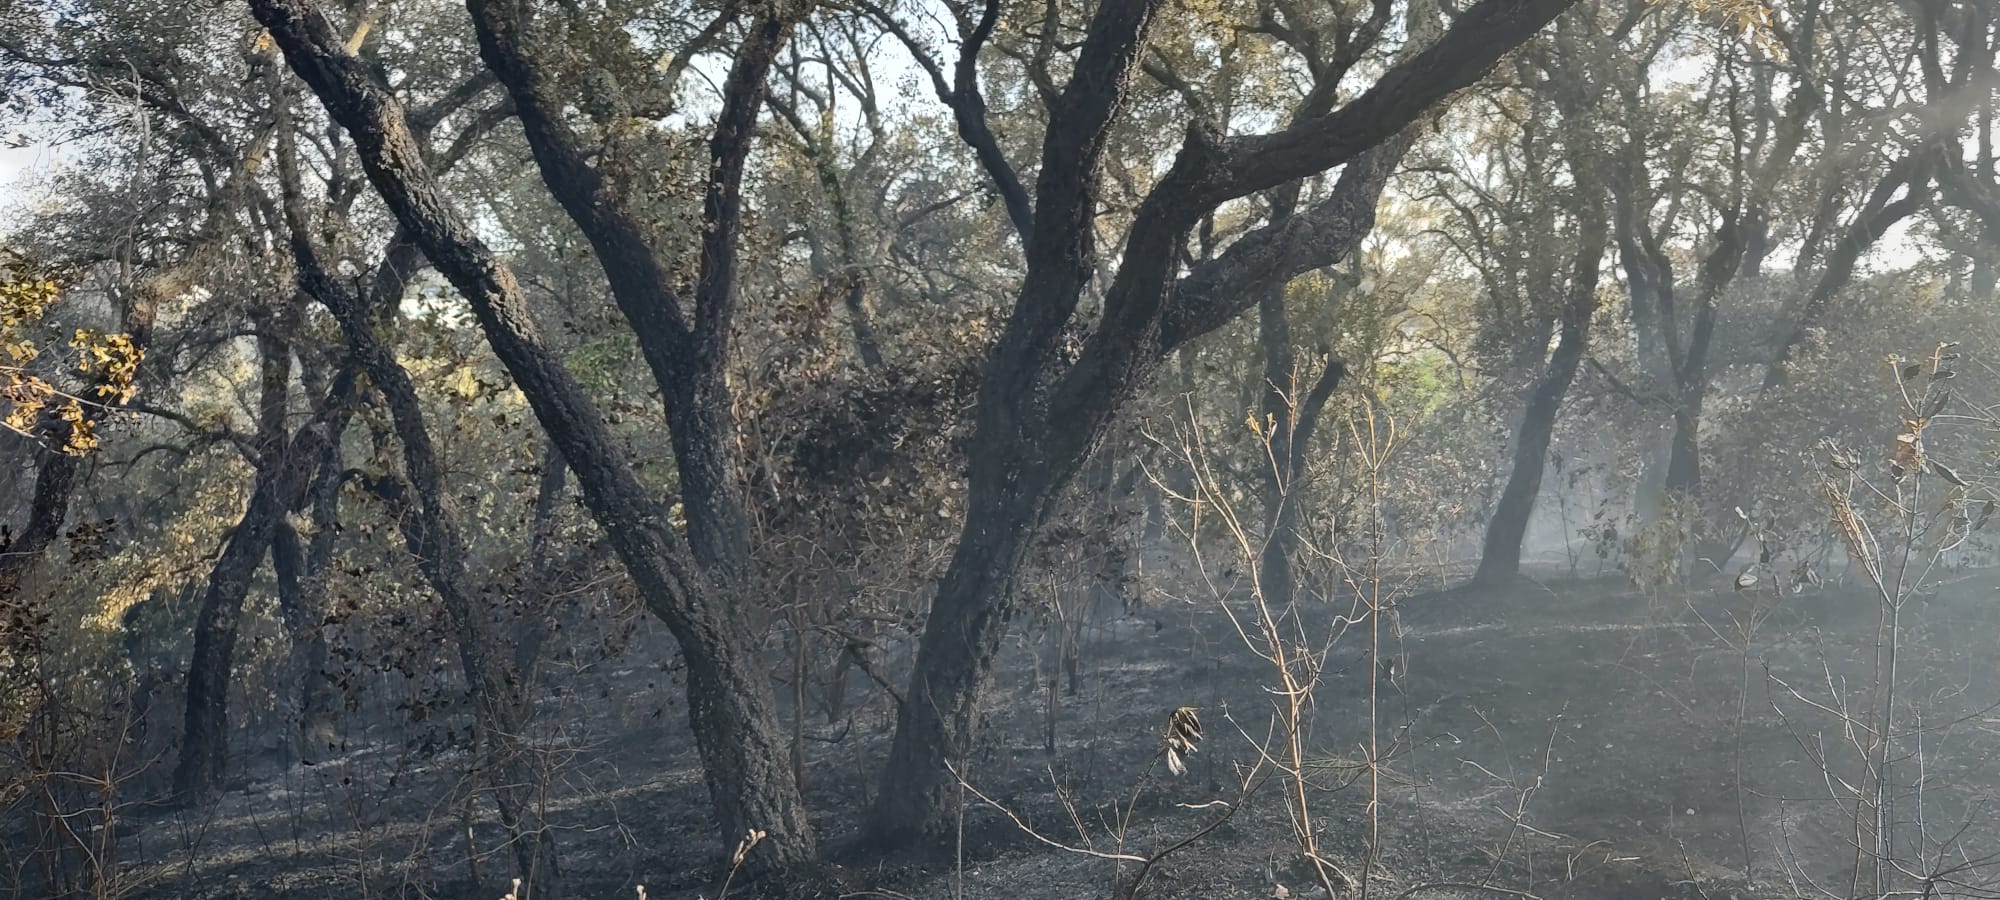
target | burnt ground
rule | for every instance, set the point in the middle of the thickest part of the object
(1564, 739)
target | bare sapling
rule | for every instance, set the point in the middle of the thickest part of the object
(1898, 517)
(1112, 840)
(1295, 651)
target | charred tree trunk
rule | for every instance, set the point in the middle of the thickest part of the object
(1036, 424)
(205, 741)
(283, 476)
(1500, 555)
(431, 531)
(1292, 419)
(291, 469)
(936, 722)
(55, 481)
(688, 582)
(1038, 419)
(1980, 287)
(1176, 475)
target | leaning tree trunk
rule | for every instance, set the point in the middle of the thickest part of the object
(938, 718)
(283, 477)
(1500, 556)
(432, 533)
(1038, 417)
(1910, 176)
(57, 472)
(731, 708)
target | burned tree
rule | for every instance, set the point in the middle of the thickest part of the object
(694, 581)
(1039, 416)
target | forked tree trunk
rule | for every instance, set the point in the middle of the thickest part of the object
(430, 528)
(1038, 419)
(1036, 425)
(687, 582)
(283, 478)
(205, 741)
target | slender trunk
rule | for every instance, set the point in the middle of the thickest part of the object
(1718, 271)
(499, 694)
(1690, 395)
(853, 286)
(533, 631)
(55, 480)
(318, 698)
(1021, 459)
(302, 571)
(1292, 418)
(1177, 475)
(859, 320)
(1684, 453)
(430, 532)
(288, 562)
(1274, 564)
(1985, 274)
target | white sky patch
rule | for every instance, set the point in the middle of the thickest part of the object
(17, 163)
(20, 168)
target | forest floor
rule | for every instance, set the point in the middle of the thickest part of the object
(1571, 739)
